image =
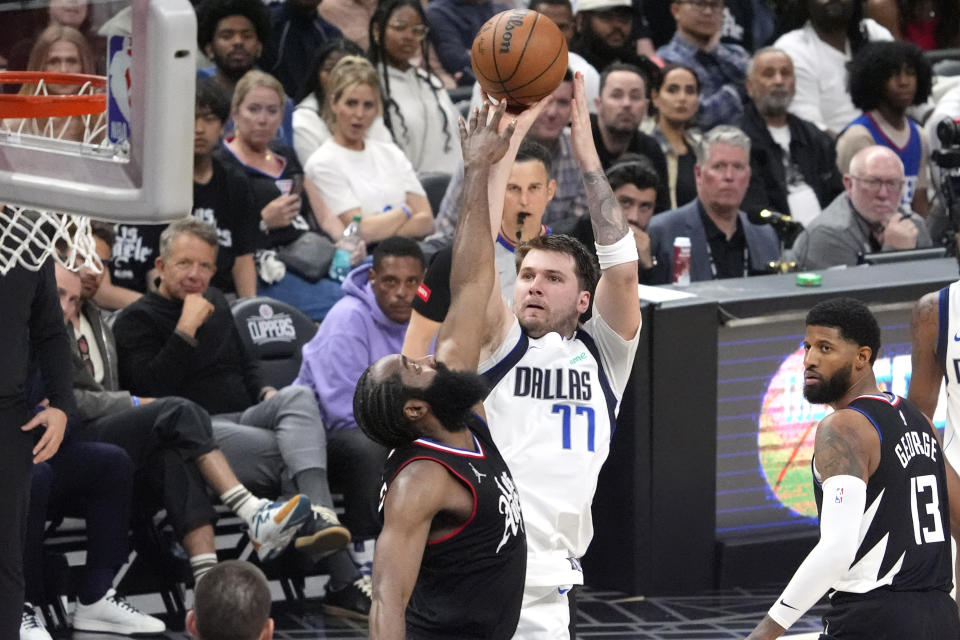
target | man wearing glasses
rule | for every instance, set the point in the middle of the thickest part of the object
(721, 67)
(866, 218)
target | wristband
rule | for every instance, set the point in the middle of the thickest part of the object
(136, 401)
(621, 251)
(403, 207)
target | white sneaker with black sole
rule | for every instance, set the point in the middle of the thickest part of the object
(113, 614)
(31, 626)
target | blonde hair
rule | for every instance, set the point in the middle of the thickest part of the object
(252, 80)
(349, 72)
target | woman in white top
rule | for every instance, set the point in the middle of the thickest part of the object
(418, 110)
(357, 175)
(309, 129)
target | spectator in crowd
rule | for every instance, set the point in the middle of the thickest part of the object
(635, 185)
(793, 164)
(621, 107)
(278, 185)
(182, 341)
(604, 35)
(233, 602)
(169, 441)
(296, 32)
(929, 24)
(368, 323)
(561, 12)
(75, 14)
(723, 241)
(868, 217)
(352, 17)
(528, 193)
(232, 34)
(886, 79)
(676, 98)
(454, 24)
(721, 68)
(418, 110)
(551, 131)
(58, 49)
(94, 481)
(826, 35)
(108, 296)
(309, 129)
(357, 175)
(221, 196)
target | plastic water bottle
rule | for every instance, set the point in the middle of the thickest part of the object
(350, 240)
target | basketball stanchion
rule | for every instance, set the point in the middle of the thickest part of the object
(35, 117)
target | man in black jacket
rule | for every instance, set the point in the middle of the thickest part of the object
(794, 164)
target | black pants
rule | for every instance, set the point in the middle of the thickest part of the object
(931, 615)
(164, 439)
(356, 468)
(16, 463)
(92, 480)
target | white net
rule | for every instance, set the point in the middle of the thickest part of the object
(29, 237)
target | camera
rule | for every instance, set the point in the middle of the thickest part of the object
(947, 159)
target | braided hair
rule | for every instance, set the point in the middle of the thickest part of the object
(378, 55)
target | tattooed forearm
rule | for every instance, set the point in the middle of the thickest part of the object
(609, 223)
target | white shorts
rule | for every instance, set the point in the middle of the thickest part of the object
(544, 615)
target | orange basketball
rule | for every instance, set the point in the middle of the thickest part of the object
(520, 56)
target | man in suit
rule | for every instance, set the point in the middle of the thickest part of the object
(724, 243)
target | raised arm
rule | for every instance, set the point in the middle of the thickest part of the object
(472, 274)
(617, 299)
(846, 453)
(926, 373)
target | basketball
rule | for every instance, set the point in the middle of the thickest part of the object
(520, 56)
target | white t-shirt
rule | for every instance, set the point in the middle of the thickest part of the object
(376, 177)
(430, 143)
(821, 75)
(801, 198)
(551, 413)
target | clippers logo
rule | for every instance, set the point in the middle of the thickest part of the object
(515, 20)
(423, 292)
(271, 327)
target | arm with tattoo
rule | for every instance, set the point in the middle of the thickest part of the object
(926, 373)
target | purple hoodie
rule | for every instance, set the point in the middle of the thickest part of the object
(354, 335)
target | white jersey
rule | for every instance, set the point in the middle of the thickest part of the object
(948, 353)
(552, 410)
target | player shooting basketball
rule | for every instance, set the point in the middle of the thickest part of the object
(450, 559)
(556, 384)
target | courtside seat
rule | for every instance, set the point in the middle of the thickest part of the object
(273, 333)
(435, 184)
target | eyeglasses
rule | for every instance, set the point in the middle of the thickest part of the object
(703, 5)
(874, 184)
(419, 30)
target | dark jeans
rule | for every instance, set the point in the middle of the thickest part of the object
(92, 480)
(164, 439)
(356, 469)
(16, 462)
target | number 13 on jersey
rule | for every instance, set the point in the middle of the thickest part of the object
(585, 419)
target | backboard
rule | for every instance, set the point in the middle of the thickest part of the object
(136, 161)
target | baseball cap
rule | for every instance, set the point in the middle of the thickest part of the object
(601, 5)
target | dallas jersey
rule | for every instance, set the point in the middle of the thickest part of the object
(470, 583)
(905, 531)
(552, 409)
(948, 354)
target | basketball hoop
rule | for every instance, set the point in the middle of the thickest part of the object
(76, 121)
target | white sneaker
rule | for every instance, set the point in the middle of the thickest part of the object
(275, 524)
(31, 626)
(113, 614)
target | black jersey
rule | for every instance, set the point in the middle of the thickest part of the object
(471, 582)
(906, 544)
